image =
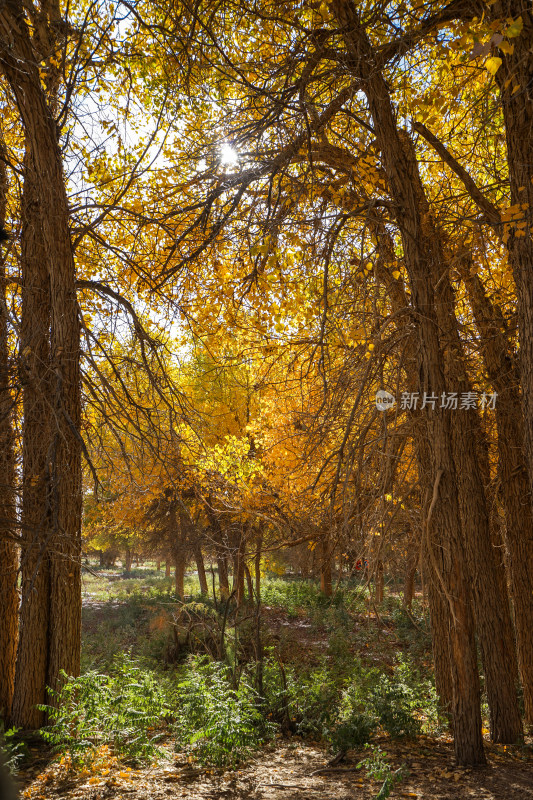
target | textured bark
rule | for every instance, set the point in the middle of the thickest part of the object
(63, 448)
(489, 592)
(513, 472)
(516, 71)
(441, 621)
(32, 653)
(440, 615)
(8, 550)
(420, 251)
(167, 568)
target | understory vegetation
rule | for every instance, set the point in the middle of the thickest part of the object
(219, 681)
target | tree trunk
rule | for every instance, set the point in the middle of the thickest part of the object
(380, 582)
(439, 611)
(167, 568)
(516, 71)
(32, 653)
(223, 579)
(8, 514)
(249, 583)
(326, 585)
(420, 245)
(410, 572)
(257, 565)
(128, 561)
(200, 566)
(513, 472)
(179, 575)
(489, 592)
(238, 567)
(158, 565)
(178, 539)
(63, 447)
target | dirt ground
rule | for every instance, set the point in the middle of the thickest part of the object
(291, 770)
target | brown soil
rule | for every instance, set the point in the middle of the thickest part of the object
(291, 770)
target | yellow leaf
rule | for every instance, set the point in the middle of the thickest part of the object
(396, 274)
(493, 64)
(515, 28)
(507, 48)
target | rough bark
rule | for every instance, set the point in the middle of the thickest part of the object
(515, 73)
(20, 66)
(8, 513)
(32, 653)
(420, 251)
(489, 592)
(513, 472)
(440, 615)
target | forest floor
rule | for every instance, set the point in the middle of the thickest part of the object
(118, 619)
(293, 771)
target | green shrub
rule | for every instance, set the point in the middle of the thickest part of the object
(378, 768)
(393, 703)
(353, 732)
(13, 751)
(402, 702)
(218, 724)
(121, 709)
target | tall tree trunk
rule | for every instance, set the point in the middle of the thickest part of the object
(32, 652)
(513, 472)
(440, 615)
(516, 71)
(167, 568)
(128, 561)
(420, 244)
(8, 514)
(489, 592)
(64, 446)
